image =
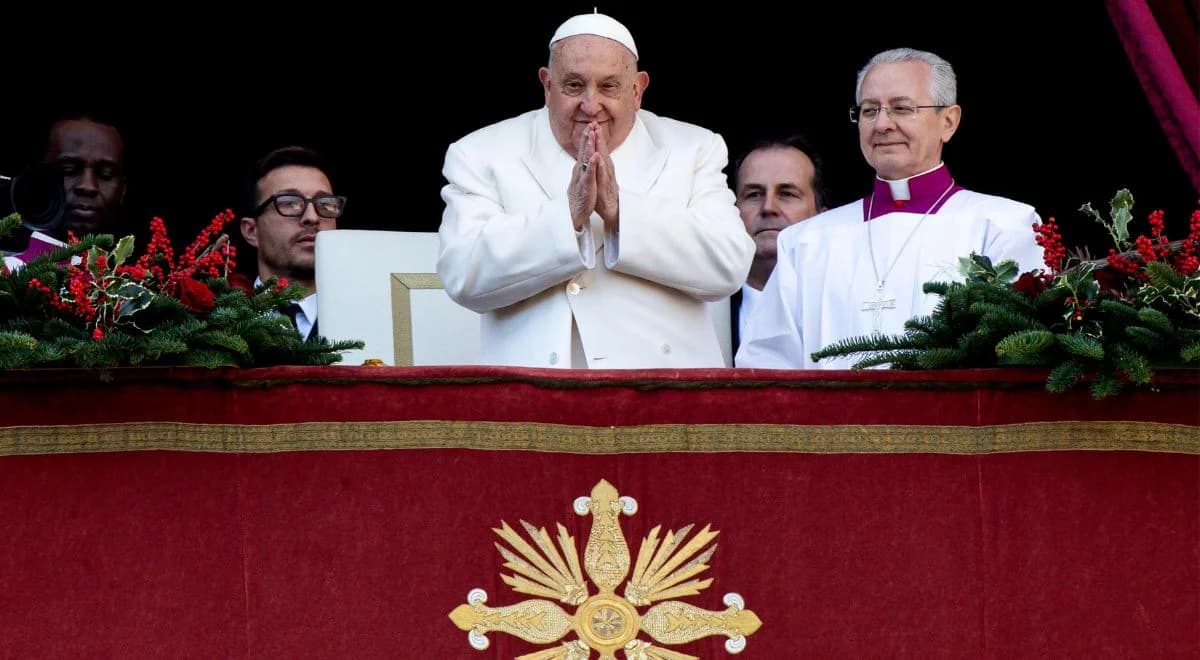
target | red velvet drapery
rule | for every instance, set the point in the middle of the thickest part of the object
(1165, 56)
(345, 512)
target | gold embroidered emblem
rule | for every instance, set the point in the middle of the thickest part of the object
(665, 569)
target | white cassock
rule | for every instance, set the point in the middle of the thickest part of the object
(553, 298)
(824, 287)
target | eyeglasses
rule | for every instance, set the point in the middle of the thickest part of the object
(292, 205)
(869, 113)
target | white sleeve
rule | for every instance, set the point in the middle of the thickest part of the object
(490, 258)
(773, 339)
(1014, 239)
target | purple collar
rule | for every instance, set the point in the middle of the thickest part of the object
(39, 244)
(928, 193)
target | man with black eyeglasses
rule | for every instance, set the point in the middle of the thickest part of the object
(289, 199)
(859, 269)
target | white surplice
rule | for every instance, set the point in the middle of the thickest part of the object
(824, 279)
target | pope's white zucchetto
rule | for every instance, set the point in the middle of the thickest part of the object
(599, 25)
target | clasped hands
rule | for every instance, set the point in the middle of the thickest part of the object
(593, 184)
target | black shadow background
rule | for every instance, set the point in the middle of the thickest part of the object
(1052, 112)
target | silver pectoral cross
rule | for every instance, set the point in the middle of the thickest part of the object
(877, 305)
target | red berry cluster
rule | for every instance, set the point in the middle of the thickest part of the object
(1054, 253)
(86, 294)
(1156, 247)
(1186, 259)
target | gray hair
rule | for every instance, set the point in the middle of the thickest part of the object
(629, 58)
(943, 85)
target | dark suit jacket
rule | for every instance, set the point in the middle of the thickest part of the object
(735, 312)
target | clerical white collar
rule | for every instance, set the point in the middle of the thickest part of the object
(921, 193)
(899, 187)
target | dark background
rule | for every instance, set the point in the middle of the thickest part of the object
(1052, 112)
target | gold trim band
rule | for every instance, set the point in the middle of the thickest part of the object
(839, 439)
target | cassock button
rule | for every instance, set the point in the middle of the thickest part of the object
(553, 358)
(573, 288)
(665, 348)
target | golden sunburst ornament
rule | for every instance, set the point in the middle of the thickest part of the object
(605, 622)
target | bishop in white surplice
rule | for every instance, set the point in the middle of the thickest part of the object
(859, 269)
(825, 289)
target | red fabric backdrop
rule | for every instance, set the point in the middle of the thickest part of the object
(363, 553)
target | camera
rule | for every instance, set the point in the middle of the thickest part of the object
(37, 194)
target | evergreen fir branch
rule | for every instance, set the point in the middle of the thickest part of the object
(863, 344)
(1037, 360)
(1025, 344)
(925, 332)
(1190, 352)
(209, 358)
(1080, 345)
(17, 340)
(18, 348)
(77, 249)
(923, 328)
(941, 358)
(1156, 321)
(51, 351)
(96, 354)
(1105, 385)
(939, 317)
(982, 308)
(1144, 337)
(59, 327)
(921, 341)
(1163, 276)
(979, 346)
(9, 224)
(1003, 320)
(1015, 301)
(895, 359)
(1064, 376)
(939, 288)
(16, 359)
(1119, 311)
(1050, 301)
(1132, 363)
(157, 346)
(227, 317)
(224, 340)
(340, 345)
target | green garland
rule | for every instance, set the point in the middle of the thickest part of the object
(135, 321)
(1113, 321)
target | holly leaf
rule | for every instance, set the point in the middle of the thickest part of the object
(134, 298)
(1006, 271)
(1122, 214)
(122, 251)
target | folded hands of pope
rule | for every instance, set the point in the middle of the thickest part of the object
(593, 184)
